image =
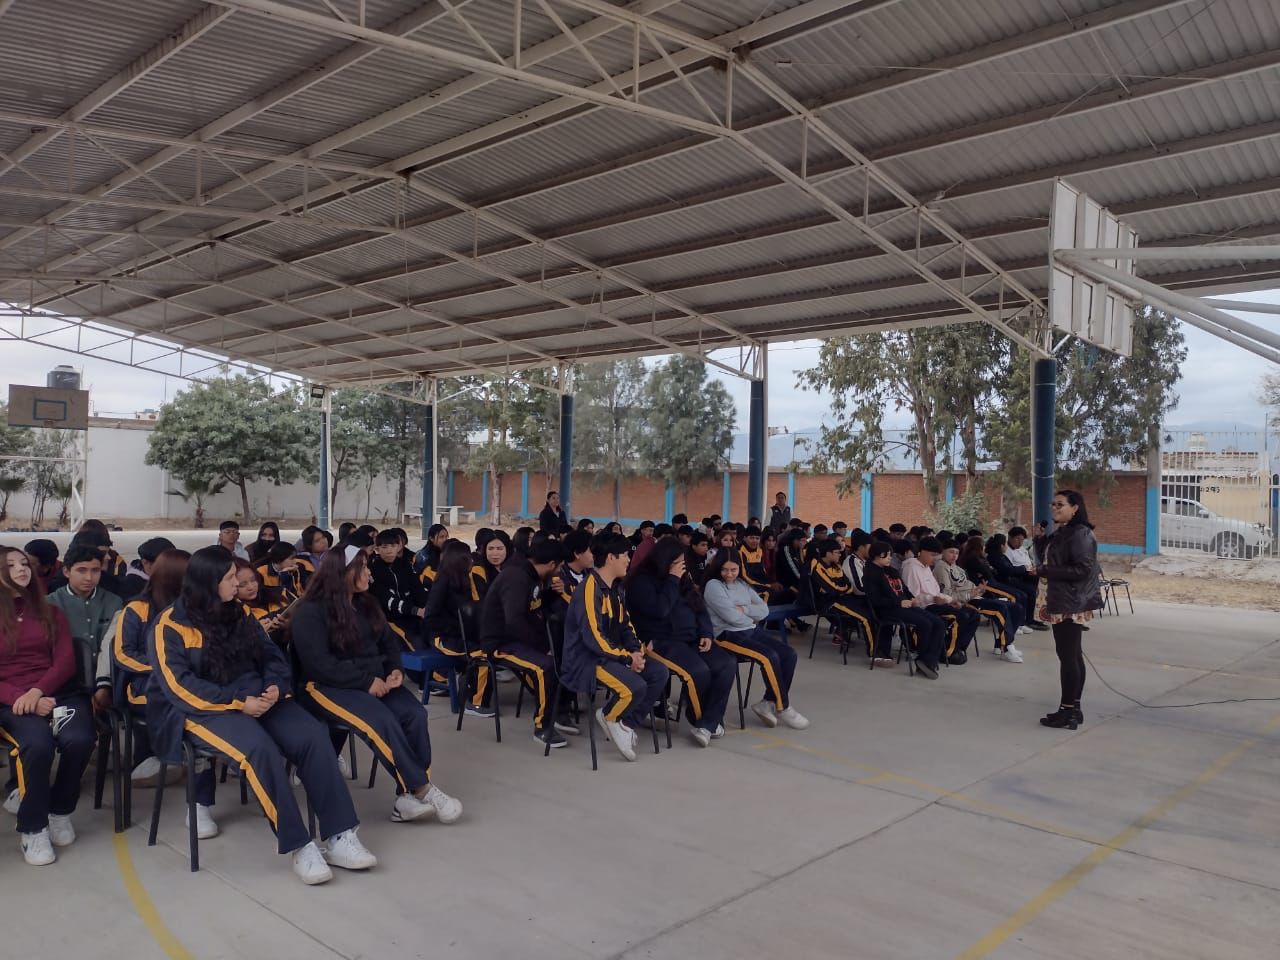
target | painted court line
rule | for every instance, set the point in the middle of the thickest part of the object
(143, 905)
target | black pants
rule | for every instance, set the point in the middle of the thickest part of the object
(1006, 613)
(930, 630)
(540, 671)
(776, 658)
(452, 647)
(32, 746)
(851, 611)
(261, 745)
(1067, 638)
(1026, 608)
(962, 624)
(394, 726)
(631, 695)
(708, 678)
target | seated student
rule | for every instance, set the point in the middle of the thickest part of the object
(956, 584)
(695, 556)
(311, 546)
(670, 618)
(1014, 565)
(854, 564)
(903, 550)
(268, 537)
(754, 574)
(397, 589)
(587, 526)
(345, 530)
(427, 560)
(38, 676)
(726, 541)
(362, 540)
(840, 531)
(109, 561)
(552, 518)
(790, 567)
(131, 663)
(918, 574)
(613, 527)
(43, 556)
(892, 602)
(490, 557)
(456, 593)
(349, 673)
(520, 541)
(811, 548)
(897, 531)
(217, 679)
(568, 577)
(229, 539)
(279, 571)
(679, 520)
(513, 631)
(838, 600)
(737, 616)
(262, 604)
(115, 567)
(89, 610)
(601, 647)
(643, 532)
(973, 561)
(140, 569)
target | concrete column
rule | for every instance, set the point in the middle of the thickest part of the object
(669, 504)
(429, 464)
(1044, 399)
(524, 493)
(791, 494)
(757, 445)
(566, 453)
(326, 414)
(868, 480)
(726, 502)
(1154, 483)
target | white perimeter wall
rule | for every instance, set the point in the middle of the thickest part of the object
(122, 485)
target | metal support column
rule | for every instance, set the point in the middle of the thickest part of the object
(566, 449)
(429, 438)
(326, 415)
(758, 439)
(1044, 399)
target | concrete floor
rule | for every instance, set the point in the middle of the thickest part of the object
(914, 819)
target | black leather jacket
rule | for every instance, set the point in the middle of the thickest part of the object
(1071, 569)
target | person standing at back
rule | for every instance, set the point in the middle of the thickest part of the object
(779, 513)
(552, 518)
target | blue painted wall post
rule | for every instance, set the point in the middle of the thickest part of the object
(484, 493)
(566, 452)
(868, 481)
(727, 502)
(670, 504)
(1044, 399)
(791, 494)
(429, 465)
(524, 493)
(951, 487)
(326, 414)
(756, 455)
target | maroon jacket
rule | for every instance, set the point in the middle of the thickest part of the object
(31, 663)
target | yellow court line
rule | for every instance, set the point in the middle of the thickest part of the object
(1068, 881)
(144, 905)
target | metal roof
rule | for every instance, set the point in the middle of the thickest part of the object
(375, 190)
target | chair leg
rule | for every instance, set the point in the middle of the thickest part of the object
(119, 782)
(666, 713)
(156, 803)
(100, 773)
(653, 727)
(519, 695)
(244, 790)
(468, 684)
(193, 840)
(591, 727)
(751, 675)
(127, 733)
(737, 686)
(1128, 596)
(497, 709)
(351, 750)
(813, 639)
(373, 770)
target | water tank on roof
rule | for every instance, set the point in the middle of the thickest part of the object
(63, 377)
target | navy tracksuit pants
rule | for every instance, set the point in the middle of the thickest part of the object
(32, 747)
(708, 678)
(631, 695)
(776, 658)
(394, 726)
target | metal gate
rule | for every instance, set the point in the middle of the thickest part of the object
(1218, 493)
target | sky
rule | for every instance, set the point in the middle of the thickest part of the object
(1220, 381)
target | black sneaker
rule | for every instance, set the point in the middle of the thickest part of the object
(551, 736)
(926, 671)
(1037, 625)
(566, 725)
(958, 658)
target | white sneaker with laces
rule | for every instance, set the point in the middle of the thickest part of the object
(344, 767)
(793, 718)
(718, 732)
(148, 769)
(60, 830)
(766, 712)
(346, 851)
(448, 809)
(206, 828)
(622, 736)
(37, 849)
(1024, 629)
(12, 802)
(701, 736)
(1011, 654)
(408, 807)
(309, 865)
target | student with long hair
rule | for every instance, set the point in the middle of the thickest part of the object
(131, 658)
(279, 571)
(521, 541)
(311, 546)
(259, 602)
(456, 594)
(892, 602)
(973, 560)
(43, 710)
(426, 562)
(492, 556)
(669, 615)
(1070, 569)
(349, 673)
(737, 615)
(268, 537)
(217, 679)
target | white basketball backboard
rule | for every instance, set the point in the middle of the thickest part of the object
(1078, 304)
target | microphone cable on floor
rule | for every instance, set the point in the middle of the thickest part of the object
(1180, 706)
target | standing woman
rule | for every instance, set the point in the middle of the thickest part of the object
(1070, 567)
(37, 676)
(349, 673)
(218, 680)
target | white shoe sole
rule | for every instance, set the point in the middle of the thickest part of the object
(768, 718)
(427, 813)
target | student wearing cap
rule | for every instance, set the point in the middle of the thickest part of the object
(962, 619)
(229, 539)
(140, 569)
(513, 631)
(43, 557)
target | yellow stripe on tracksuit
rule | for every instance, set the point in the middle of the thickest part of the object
(17, 762)
(953, 633)
(215, 741)
(349, 718)
(618, 687)
(692, 688)
(482, 675)
(1001, 593)
(191, 637)
(841, 609)
(998, 617)
(404, 638)
(766, 667)
(142, 610)
(542, 682)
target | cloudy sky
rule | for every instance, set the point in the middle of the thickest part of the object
(1219, 380)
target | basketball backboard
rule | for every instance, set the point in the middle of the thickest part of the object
(48, 407)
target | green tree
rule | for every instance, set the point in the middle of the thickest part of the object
(609, 420)
(1271, 397)
(690, 420)
(14, 442)
(197, 490)
(237, 430)
(502, 405)
(45, 470)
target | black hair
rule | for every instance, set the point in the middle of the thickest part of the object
(931, 544)
(521, 540)
(585, 522)
(228, 525)
(828, 546)
(839, 525)
(897, 528)
(679, 520)
(858, 538)
(663, 530)
(269, 525)
(309, 535)
(1076, 499)
(343, 610)
(881, 534)
(879, 549)
(552, 493)
(575, 543)
(387, 538)
(279, 552)
(81, 553)
(435, 530)
(547, 551)
(698, 537)
(722, 557)
(232, 639)
(606, 545)
(752, 532)
(360, 538)
(901, 547)
(455, 566)
(994, 543)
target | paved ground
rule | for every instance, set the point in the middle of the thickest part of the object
(915, 819)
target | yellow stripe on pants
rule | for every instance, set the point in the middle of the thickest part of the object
(766, 667)
(347, 717)
(17, 763)
(618, 687)
(215, 741)
(866, 624)
(692, 688)
(542, 682)
(482, 675)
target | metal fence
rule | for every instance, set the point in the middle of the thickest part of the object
(1218, 493)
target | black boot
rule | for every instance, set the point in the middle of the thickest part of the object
(1064, 717)
(1079, 717)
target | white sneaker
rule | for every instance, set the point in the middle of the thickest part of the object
(447, 808)
(1024, 629)
(766, 712)
(408, 807)
(60, 830)
(12, 802)
(148, 769)
(793, 718)
(344, 767)
(623, 737)
(1011, 654)
(701, 736)
(206, 828)
(718, 732)
(346, 851)
(309, 865)
(37, 850)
